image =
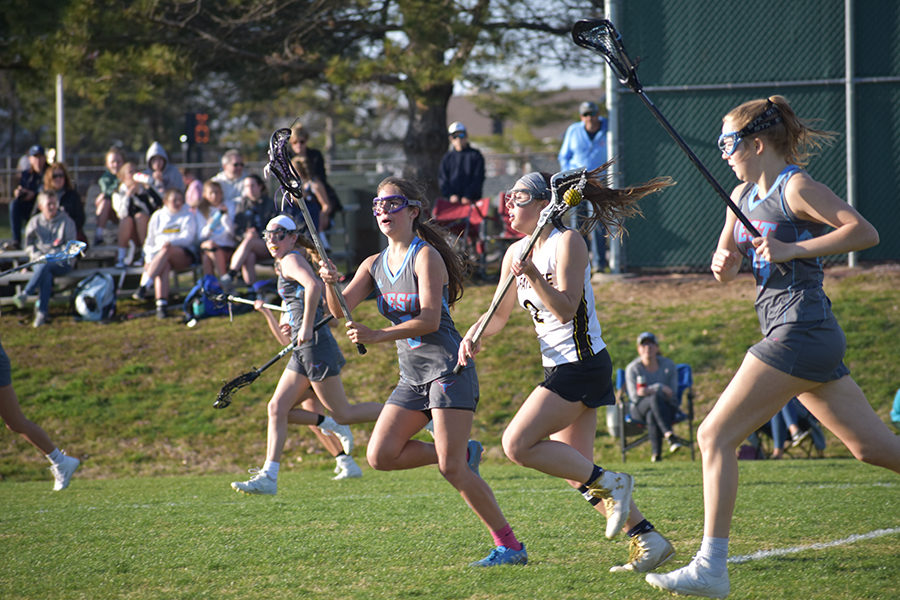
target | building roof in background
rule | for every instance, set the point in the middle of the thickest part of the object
(461, 108)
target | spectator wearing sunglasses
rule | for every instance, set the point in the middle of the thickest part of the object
(231, 177)
(461, 174)
(58, 182)
(584, 145)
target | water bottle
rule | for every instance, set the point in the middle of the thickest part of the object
(198, 308)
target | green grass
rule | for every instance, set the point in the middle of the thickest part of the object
(408, 535)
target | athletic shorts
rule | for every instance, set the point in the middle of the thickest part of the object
(316, 361)
(448, 391)
(5, 369)
(587, 381)
(813, 351)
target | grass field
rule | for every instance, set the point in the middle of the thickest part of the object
(409, 535)
(150, 513)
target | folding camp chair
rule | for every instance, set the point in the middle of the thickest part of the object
(628, 426)
(466, 224)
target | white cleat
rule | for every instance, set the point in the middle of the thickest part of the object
(695, 579)
(342, 432)
(348, 468)
(62, 473)
(647, 552)
(615, 491)
(258, 484)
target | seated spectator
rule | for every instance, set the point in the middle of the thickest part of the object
(30, 182)
(651, 381)
(48, 231)
(133, 204)
(108, 184)
(171, 244)
(57, 181)
(254, 211)
(787, 422)
(160, 174)
(216, 223)
(231, 177)
(193, 189)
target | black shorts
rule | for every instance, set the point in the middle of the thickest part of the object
(587, 381)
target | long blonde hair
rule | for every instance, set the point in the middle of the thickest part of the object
(433, 234)
(791, 137)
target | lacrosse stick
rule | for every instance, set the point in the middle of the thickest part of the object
(280, 166)
(552, 213)
(223, 399)
(72, 249)
(601, 37)
(222, 299)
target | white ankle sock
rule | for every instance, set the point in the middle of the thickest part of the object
(271, 469)
(714, 551)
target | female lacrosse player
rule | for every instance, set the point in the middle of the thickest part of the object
(553, 431)
(315, 363)
(801, 353)
(61, 466)
(416, 279)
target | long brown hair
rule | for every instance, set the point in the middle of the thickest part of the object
(612, 206)
(433, 234)
(792, 137)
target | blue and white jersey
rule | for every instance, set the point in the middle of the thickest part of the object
(561, 343)
(425, 358)
(797, 296)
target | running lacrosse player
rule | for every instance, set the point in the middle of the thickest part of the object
(415, 280)
(61, 466)
(315, 363)
(801, 353)
(554, 429)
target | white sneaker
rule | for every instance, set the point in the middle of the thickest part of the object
(20, 300)
(260, 483)
(692, 580)
(341, 431)
(40, 318)
(615, 491)
(62, 472)
(647, 552)
(348, 468)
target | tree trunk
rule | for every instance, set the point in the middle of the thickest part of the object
(426, 138)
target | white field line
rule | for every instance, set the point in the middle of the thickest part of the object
(818, 546)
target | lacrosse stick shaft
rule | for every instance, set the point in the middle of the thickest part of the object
(239, 300)
(495, 303)
(290, 347)
(313, 233)
(72, 249)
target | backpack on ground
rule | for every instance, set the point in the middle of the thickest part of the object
(197, 303)
(94, 298)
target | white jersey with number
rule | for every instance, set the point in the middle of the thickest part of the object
(567, 342)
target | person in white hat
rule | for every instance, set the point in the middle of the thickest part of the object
(461, 174)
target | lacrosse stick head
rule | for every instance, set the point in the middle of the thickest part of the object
(565, 192)
(223, 398)
(72, 249)
(280, 165)
(600, 36)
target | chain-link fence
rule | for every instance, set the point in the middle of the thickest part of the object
(700, 58)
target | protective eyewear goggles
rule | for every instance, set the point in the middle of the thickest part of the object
(769, 117)
(276, 235)
(522, 197)
(388, 205)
